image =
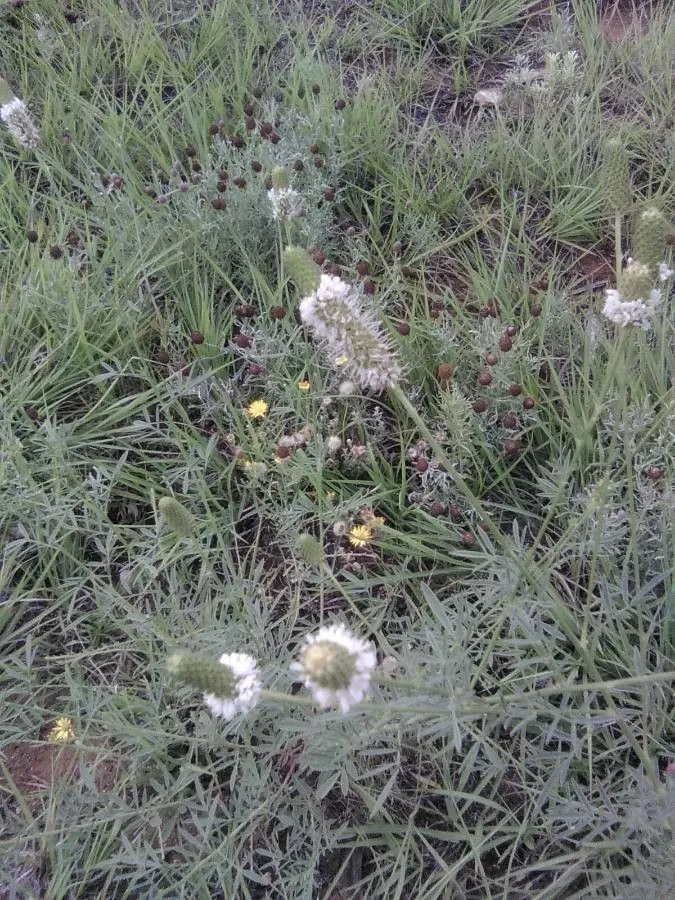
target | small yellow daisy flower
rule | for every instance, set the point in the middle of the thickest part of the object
(341, 360)
(62, 731)
(360, 535)
(257, 409)
(304, 386)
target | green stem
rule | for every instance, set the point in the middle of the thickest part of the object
(618, 255)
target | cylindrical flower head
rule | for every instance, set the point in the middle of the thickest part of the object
(231, 685)
(354, 339)
(19, 123)
(336, 666)
(279, 177)
(302, 270)
(637, 280)
(650, 237)
(617, 179)
(311, 549)
(176, 516)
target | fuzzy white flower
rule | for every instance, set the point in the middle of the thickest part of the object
(286, 203)
(19, 123)
(488, 97)
(335, 314)
(637, 312)
(664, 272)
(333, 443)
(245, 690)
(336, 666)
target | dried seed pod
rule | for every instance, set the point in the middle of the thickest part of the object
(480, 405)
(528, 402)
(468, 539)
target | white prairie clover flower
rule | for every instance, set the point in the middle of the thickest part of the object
(631, 312)
(335, 314)
(664, 272)
(286, 203)
(231, 686)
(19, 123)
(336, 666)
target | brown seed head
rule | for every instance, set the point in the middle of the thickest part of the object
(468, 539)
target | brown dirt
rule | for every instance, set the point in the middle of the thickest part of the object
(36, 767)
(623, 19)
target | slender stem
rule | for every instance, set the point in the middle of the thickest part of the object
(618, 255)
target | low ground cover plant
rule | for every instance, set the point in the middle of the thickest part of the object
(336, 450)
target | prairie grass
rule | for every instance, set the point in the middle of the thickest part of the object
(518, 741)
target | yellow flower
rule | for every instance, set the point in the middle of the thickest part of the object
(304, 386)
(62, 731)
(341, 360)
(257, 409)
(360, 535)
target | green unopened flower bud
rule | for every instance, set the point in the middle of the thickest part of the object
(279, 177)
(650, 237)
(311, 549)
(617, 179)
(203, 673)
(176, 516)
(637, 281)
(329, 665)
(302, 270)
